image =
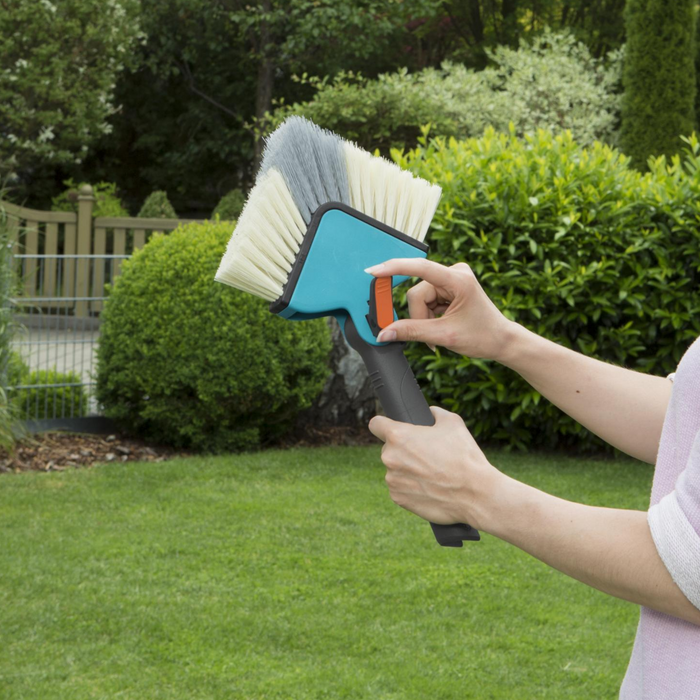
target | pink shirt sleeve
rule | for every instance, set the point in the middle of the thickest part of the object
(675, 527)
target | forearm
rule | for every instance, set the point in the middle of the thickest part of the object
(611, 550)
(623, 407)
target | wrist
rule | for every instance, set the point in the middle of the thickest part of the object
(516, 339)
(506, 508)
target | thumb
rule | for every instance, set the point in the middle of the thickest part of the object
(424, 330)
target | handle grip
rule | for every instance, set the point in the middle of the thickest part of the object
(402, 400)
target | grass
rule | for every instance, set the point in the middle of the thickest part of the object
(291, 575)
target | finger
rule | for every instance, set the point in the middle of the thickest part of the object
(430, 331)
(422, 302)
(421, 299)
(398, 483)
(443, 416)
(438, 275)
(440, 413)
(381, 427)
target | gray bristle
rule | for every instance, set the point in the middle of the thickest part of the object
(312, 162)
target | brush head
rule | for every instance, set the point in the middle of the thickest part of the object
(304, 167)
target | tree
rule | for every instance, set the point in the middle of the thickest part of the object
(58, 66)
(184, 106)
(658, 78)
(201, 77)
(471, 28)
(599, 23)
(291, 35)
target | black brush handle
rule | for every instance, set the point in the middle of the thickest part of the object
(402, 400)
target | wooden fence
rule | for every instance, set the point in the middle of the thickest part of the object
(52, 235)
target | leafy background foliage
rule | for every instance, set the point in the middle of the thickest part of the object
(574, 244)
(107, 201)
(178, 363)
(552, 82)
(58, 66)
(177, 87)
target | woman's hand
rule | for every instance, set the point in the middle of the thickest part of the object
(469, 323)
(436, 472)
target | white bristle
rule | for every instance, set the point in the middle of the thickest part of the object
(382, 190)
(268, 234)
(304, 167)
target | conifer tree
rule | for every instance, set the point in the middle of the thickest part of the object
(658, 78)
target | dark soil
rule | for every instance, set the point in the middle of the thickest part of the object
(60, 451)
(311, 436)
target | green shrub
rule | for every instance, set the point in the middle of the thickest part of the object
(572, 243)
(230, 206)
(157, 206)
(697, 73)
(34, 401)
(17, 369)
(552, 82)
(7, 327)
(193, 363)
(659, 78)
(107, 202)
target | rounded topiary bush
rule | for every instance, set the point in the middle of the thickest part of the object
(190, 362)
(157, 206)
(230, 206)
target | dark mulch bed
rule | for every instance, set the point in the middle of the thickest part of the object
(312, 436)
(60, 451)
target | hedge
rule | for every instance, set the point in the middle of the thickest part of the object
(576, 245)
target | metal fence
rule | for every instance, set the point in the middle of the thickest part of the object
(57, 308)
(63, 261)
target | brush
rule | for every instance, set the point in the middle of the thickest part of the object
(321, 212)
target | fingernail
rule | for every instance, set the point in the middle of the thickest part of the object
(386, 336)
(374, 268)
(432, 347)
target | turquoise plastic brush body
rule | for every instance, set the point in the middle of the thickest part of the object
(332, 280)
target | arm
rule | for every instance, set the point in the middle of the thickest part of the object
(439, 473)
(609, 549)
(623, 407)
(450, 308)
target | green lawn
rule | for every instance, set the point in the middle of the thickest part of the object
(290, 574)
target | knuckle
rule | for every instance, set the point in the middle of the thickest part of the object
(464, 273)
(398, 499)
(449, 337)
(390, 433)
(410, 332)
(461, 267)
(390, 461)
(456, 419)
